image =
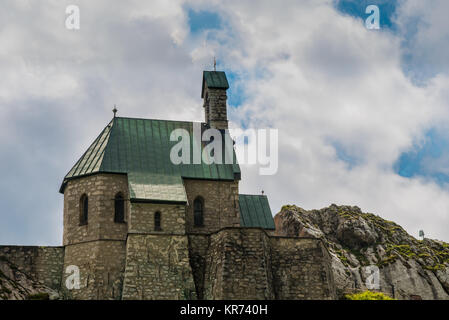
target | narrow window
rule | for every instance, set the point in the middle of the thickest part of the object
(157, 221)
(84, 210)
(119, 203)
(198, 207)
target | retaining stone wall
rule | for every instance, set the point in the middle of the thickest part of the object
(157, 267)
(44, 264)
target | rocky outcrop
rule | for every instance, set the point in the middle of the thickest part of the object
(369, 252)
(18, 285)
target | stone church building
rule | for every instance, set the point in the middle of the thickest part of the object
(140, 227)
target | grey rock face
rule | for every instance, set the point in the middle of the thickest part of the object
(17, 285)
(369, 252)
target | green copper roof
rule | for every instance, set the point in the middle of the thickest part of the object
(214, 79)
(255, 211)
(156, 187)
(92, 159)
(142, 146)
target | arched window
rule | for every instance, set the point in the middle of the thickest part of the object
(157, 221)
(198, 212)
(119, 212)
(84, 210)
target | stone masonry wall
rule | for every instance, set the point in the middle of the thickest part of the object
(249, 263)
(221, 205)
(132, 260)
(101, 190)
(98, 248)
(238, 265)
(198, 253)
(157, 267)
(233, 263)
(301, 269)
(215, 108)
(44, 264)
(173, 218)
(101, 265)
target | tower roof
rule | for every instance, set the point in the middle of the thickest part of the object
(141, 148)
(214, 79)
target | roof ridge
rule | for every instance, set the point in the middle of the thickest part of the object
(168, 120)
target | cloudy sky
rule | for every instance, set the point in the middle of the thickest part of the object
(363, 115)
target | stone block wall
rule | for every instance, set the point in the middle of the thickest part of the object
(239, 265)
(101, 264)
(101, 190)
(44, 264)
(301, 269)
(215, 108)
(157, 267)
(97, 248)
(132, 260)
(249, 263)
(221, 205)
(198, 253)
(232, 263)
(173, 218)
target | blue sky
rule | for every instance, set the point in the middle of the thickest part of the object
(201, 20)
(422, 160)
(357, 8)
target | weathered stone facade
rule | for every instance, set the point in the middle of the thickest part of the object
(101, 190)
(249, 263)
(301, 269)
(215, 108)
(157, 267)
(97, 248)
(43, 264)
(221, 205)
(173, 218)
(134, 260)
(101, 264)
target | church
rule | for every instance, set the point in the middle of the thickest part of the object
(138, 226)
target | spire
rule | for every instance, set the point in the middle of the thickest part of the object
(215, 64)
(114, 110)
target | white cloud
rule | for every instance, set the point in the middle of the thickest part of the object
(425, 28)
(328, 78)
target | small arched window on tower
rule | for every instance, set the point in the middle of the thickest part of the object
(157, 221)
(84, 210)
(198, 212)
(119, 212)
